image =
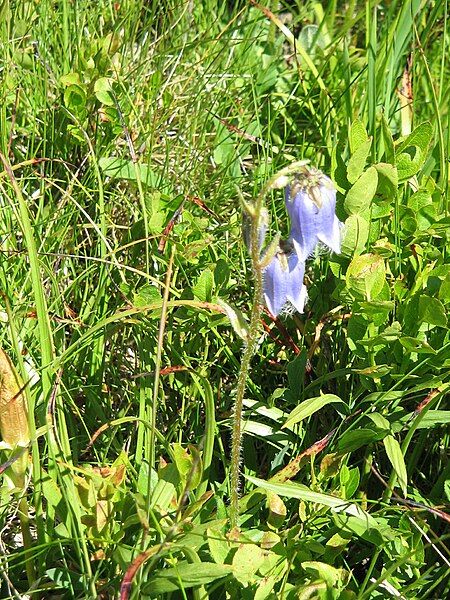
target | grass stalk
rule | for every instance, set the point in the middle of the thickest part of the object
(45, 337)
(159, 349)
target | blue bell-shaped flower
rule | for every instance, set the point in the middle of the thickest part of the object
(283, 282)
(311, 205)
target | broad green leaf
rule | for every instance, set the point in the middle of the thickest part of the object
(357, 161)
(204, 286)
(384, 397)
(413, 344)
(380, 421)
(432, 311)
(408, 221)
(271, 412)
(375, 534)
(390, 334)
(352, 440)
(419, 200)
(444, 290)
(54, 498)
(420, 137)
(412, 151)
(309, 407)
(264, 431)
(387, 180)
(183, 460)
(162, 495)
(366, 276)
(360, 195)
(330, 465)
(236, 318)
(63, 578)
(146, 295)
(355, 235)
(338, 505)
(277, 509)
(102, 90)
(299, 491)
(352, 484)
(378, 312)
(338, 168)
(397, 460)
(447, 489)
(221, 273)
(196, 471)
(296, 373)
(432, 418)
(311, 37)
(195, 538)
(219, 546)
(264, 588)
(357, 135)
(187, 575)
(334, 578)
(71, 79)
(75, 98)
(224, 146)
(246, 562)
(381, 209)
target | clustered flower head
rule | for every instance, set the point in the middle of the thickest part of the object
(311, 204)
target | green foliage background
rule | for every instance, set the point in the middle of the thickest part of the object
(129, 128)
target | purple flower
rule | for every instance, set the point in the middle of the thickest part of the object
(311, 204)
(283, 282)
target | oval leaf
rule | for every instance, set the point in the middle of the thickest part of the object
(309, 407)
(187, 575)
(397, 460)
(360, 195)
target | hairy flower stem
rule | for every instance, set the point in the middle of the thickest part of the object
(243, 374)
(254, 214)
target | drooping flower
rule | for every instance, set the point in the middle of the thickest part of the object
(283, 282)
(311, 205)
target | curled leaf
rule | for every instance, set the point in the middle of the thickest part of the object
(13, 410)
(13, 418)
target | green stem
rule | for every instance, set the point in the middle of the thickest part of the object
(210, 431)
(254, 212)
(24, 519)
(159, 349)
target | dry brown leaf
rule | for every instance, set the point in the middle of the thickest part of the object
(13, 410)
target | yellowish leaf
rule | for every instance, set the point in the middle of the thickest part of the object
(13, 410)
